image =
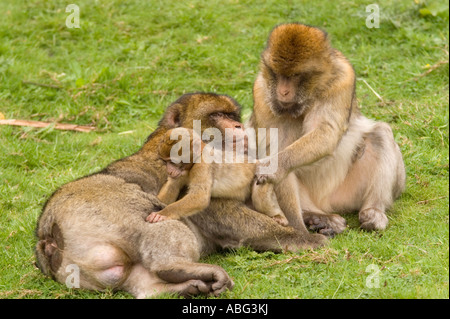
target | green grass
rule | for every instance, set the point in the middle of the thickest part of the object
(130, 59)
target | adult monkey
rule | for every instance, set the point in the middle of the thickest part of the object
(98, 222)
(331, 156)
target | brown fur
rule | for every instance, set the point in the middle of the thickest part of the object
(295, 44)
(98, 223)
(334, 158)
(218, 180)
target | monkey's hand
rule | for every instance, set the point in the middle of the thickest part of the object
(156, 217)
(267, 172)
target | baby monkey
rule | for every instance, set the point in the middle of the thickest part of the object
(206, 180)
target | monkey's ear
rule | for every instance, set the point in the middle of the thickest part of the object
(172, 115)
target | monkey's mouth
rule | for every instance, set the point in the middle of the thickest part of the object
(294, 109)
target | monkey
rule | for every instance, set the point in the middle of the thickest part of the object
(97, 222)
(334, 158)
(215, 179)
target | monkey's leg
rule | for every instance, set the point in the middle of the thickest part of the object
(265, 201)
(105, 266)
(386, 178)
(316, 219)
(93, 264)
(326, 224)
(375, 179)
(198, 196)
(288, 196)
(171, 189)
(300, 211)
(214, 278)
(143, 283)
(231, 224)
(170, 250)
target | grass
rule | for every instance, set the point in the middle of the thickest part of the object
(130, 59)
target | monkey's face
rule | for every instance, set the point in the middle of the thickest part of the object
(293, 66)
(213, 110)
(200, 107)
(208, 110)
(292, 93)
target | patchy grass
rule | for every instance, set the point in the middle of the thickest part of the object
(130, 59)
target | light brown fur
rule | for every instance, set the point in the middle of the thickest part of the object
(333, 157)
(212, 180)
(98, 223)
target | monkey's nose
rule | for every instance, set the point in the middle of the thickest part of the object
(285, 96)
(283, 92)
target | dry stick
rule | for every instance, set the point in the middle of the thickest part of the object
(58, 126)
(286, 261)
(42, 84)
(429, 200)
(374, 92)
(431, 69)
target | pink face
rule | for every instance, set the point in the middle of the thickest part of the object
(224, 122)
(285, 90)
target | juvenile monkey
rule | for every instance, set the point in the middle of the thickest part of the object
(211, 180)
(332, 157)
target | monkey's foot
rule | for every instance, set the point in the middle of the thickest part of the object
(222, 283)
(373, 219)
(196, 278)
(325, 224)
(192, 288)
(195, 287)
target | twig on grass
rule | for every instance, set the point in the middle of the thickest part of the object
(326, 257)
(422, 202)
(374, 92)
(42, 85)
(286, 261)
(431, 69)
(245, 286)
(422, 250)
(58, 126)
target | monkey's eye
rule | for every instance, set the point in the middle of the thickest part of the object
(221, 115)
(310, 74)
(272, 73)
(217, 115)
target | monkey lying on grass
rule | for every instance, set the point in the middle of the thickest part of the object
(97, 223)
(206, 179)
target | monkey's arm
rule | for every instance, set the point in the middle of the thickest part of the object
(313, 146)
(171, 189)
(198, 196)
(325, 129)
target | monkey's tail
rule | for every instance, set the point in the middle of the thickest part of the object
(49, 248)
(42, 260)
